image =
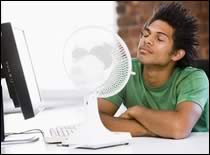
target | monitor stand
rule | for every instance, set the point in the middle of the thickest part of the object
(3, 141)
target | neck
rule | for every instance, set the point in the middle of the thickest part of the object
(156, 76)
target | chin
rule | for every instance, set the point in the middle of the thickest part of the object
(142, 60)
(146, 62)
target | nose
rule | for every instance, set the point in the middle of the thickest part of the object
(145, 41)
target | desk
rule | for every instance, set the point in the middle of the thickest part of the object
(196, 143)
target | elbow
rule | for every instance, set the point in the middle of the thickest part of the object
(180, 131)
(180, 135)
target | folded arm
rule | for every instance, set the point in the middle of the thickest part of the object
(107, 111)
(170, 124)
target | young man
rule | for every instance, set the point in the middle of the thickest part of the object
(166, 97)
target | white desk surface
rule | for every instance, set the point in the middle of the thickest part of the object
(194, 144)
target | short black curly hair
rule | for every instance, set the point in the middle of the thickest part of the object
(185, 26)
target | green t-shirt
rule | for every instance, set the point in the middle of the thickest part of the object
(188, 84)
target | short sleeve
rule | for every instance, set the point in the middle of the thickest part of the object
(117, 99)
(194, 87)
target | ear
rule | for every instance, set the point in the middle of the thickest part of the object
(179, 54)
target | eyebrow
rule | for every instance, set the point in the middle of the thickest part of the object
(146, 28)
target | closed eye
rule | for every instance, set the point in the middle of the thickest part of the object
(144, 33)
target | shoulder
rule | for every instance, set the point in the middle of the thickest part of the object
(192, 73)
(191, 76)
(192, 84)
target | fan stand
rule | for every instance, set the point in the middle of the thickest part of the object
(92, 134)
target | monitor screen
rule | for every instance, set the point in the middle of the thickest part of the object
(17, 69)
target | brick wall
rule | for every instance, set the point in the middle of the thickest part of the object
(133, 14)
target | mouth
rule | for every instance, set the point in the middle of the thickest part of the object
(145, 51)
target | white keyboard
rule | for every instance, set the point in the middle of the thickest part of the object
(59, 134)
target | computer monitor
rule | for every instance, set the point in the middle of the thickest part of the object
(17, 69)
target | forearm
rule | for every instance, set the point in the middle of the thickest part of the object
(162, 123)
(124, 125)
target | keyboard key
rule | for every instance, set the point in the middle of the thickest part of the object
(59, 134)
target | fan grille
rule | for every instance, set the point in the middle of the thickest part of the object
(112, 51)
(120, 73)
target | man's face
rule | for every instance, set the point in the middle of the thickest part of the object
(155, 45)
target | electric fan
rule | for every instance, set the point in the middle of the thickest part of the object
(98, 63)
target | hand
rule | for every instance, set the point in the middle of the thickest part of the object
(132, 112)
(125, 115)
